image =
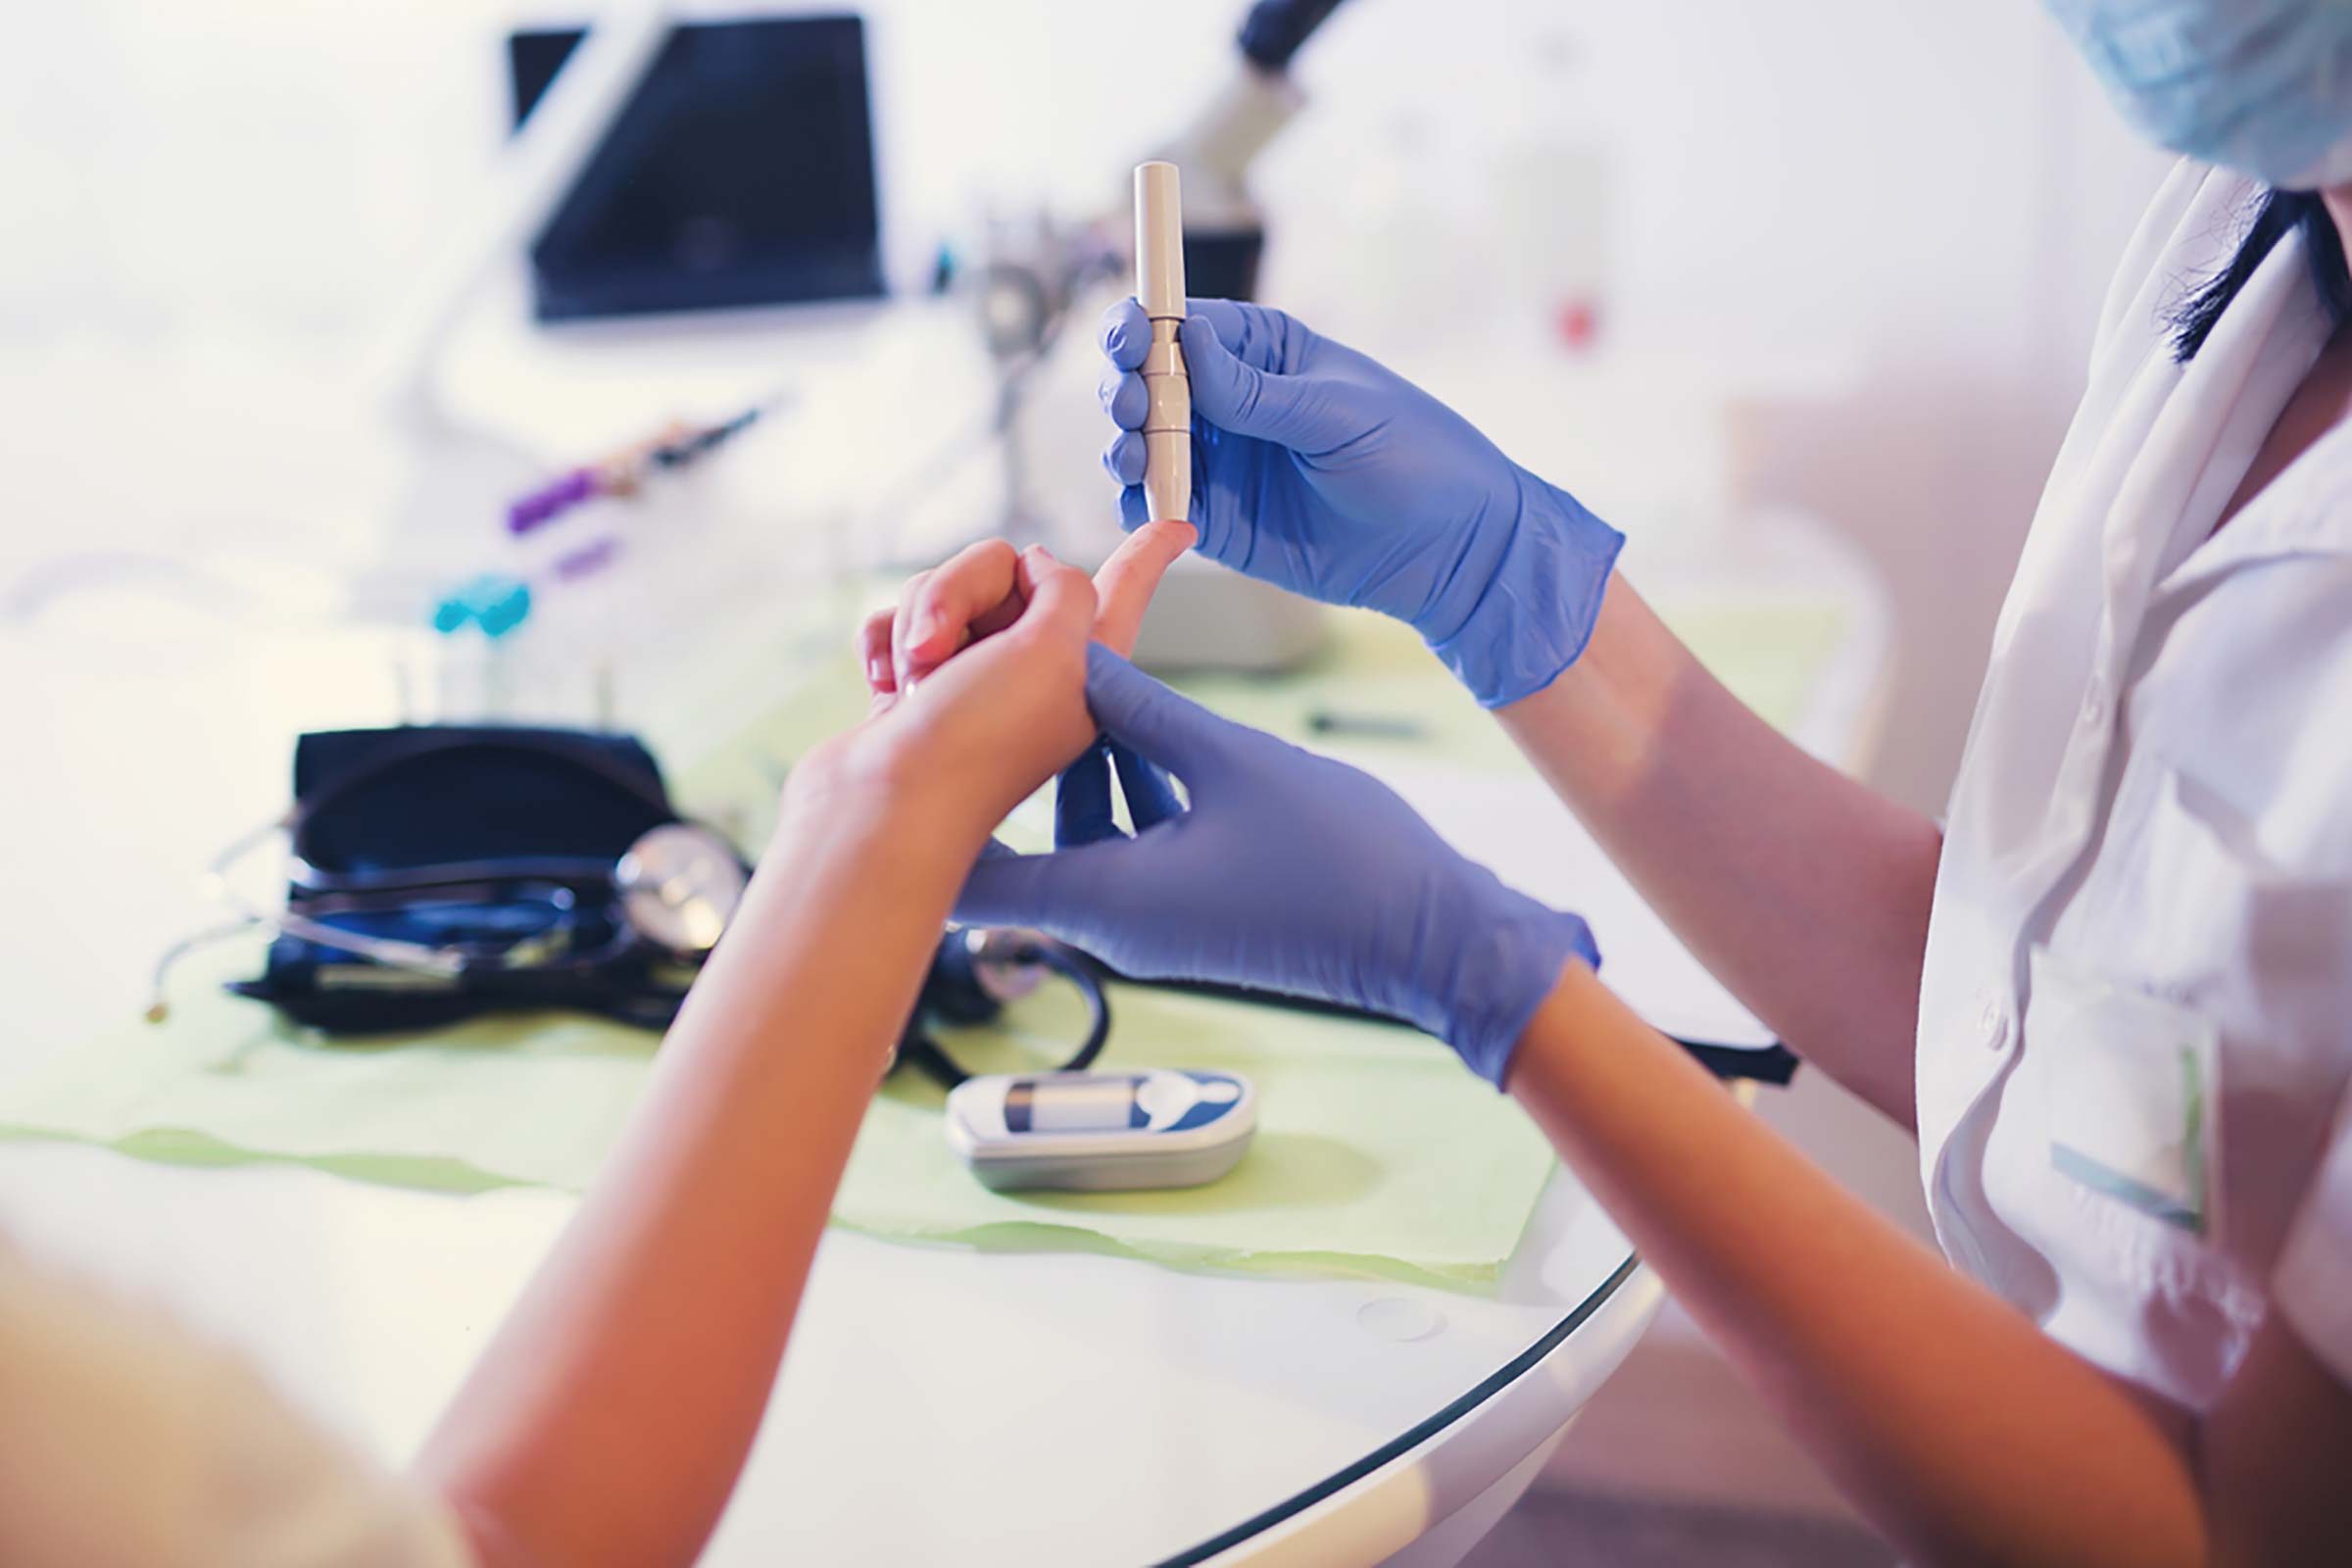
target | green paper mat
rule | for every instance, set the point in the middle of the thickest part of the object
(1376, 1154)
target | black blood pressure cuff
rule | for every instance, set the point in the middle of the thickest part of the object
(522, 825)
(369, 800)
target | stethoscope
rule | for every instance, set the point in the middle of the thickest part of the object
(670, 895)
(672, 892)
(975, 973)
(677, 888)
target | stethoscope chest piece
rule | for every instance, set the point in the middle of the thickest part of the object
(680, 885)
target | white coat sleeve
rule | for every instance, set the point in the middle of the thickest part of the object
(125, 1439)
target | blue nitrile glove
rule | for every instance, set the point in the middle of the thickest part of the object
(1082, 808)
(1317, 471)
(1287, 872)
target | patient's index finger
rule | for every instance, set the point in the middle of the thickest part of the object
(1124, 585)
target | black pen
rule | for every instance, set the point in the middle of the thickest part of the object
(1324, 721)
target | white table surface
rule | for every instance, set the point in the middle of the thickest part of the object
(934, 1403)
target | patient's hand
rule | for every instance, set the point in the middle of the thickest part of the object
(976, 594)
(946, 760)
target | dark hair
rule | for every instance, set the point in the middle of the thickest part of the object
(2281, 212)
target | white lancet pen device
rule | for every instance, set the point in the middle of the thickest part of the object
(1159, 289)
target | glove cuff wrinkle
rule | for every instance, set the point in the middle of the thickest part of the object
(1539, 608)
(1506, 966)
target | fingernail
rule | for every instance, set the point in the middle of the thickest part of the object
(926, 627)
(877, 672)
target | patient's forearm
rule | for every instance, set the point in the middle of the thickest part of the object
(608, 1420)
(1805, 891)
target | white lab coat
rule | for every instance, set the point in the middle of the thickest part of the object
(2135, 1021)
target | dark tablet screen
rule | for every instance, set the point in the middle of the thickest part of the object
(739, 173)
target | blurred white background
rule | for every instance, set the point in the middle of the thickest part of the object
(1903, 207)
(1878, 228)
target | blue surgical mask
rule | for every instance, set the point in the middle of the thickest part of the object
(2261, 86)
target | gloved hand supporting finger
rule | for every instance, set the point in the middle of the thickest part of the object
(1150, 795)
(1154, 722)
(1083, 811)
(1300, 875)
(1081, 806)
(1061, 894)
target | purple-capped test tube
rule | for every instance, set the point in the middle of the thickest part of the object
(529, 511)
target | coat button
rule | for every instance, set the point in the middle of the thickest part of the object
(1992, 1023)
(2094, 704)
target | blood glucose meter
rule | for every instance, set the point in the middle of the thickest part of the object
(1102, 1131)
